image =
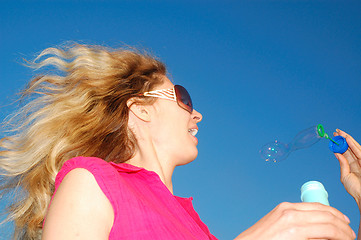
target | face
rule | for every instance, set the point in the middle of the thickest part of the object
(174, 129)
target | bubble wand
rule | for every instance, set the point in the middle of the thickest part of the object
(321, 133)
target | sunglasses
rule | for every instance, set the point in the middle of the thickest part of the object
(178, 94)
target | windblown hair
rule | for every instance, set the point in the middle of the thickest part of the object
(77, 108)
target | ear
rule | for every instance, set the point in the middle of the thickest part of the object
(139, 110)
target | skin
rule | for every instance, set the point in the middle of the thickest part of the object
(69, 216)
(164, 143)
(350, 165)
(163, 138)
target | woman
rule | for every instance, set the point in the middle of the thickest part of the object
(95, 149)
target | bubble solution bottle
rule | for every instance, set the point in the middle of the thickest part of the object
(314, 191)
(277, 151)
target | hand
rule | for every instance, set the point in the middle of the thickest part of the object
(350, 163)
(301, 221)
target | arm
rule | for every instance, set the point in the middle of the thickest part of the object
(313, 220)
(350, 164)
(79, 209)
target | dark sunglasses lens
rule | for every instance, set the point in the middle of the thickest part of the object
(183, 98)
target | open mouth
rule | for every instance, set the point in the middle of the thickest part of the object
(193, 131)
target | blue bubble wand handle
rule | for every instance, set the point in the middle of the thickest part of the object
(314, 191)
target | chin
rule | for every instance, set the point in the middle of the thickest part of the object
(191, 156)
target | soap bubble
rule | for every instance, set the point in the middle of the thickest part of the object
(275, 151)
(306, 138)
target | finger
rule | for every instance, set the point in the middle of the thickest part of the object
(349, 155)
(351, 158)
(344, 166)
(353, 144)
(315, 207)
(330, 231)
(327, 224)
(344, 133)
(323, 217)
(320, 224)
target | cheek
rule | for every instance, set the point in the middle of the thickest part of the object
(172, 127)
(167, 131)
(174, 137)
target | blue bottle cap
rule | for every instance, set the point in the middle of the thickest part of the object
(341, 147)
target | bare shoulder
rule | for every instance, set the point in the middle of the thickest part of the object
(79, 209)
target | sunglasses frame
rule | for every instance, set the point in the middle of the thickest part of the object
(173, 94)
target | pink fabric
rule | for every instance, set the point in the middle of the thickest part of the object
(143, 206)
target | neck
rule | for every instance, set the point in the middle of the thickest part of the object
(147, 158)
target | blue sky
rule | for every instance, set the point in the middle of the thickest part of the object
(256, 70)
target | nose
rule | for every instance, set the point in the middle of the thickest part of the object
(197, 116)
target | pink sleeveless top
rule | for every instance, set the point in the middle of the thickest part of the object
(143, 206)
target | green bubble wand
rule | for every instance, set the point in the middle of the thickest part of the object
(321, 133)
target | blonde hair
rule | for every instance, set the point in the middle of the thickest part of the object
(78, 108)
